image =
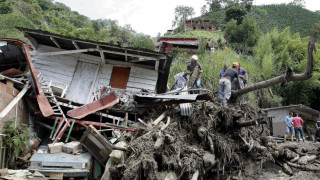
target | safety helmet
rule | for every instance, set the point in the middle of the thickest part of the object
(194, 57)
(235, 64)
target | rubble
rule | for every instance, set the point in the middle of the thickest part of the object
(138, 133)
(56, 147)
(72, 147)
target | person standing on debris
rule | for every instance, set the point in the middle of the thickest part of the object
(225, 67)
(225, 83)
(243, 77)
(316, 134)
(289, 127)
(190, 67)
(181, 80)
(298, 123)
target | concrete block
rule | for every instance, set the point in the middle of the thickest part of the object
(72, 147)
(56, 147)
(4, 172)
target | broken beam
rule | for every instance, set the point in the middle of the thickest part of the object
(13, 102)
(103, 59)
(98, 124)
(75, 45)
(55, 42)
(95, 106)
(11, 79)
(64, 52)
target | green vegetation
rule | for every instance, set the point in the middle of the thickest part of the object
(266, 40)
(270, 16)
(243, 35)
(57, 18)
(16, 139)
(299, 19)
(272, 54)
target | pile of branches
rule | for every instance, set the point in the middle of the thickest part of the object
(213, 143)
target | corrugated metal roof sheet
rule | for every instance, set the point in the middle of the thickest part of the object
(297, 108)
(170, 96)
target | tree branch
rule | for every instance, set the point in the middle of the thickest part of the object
(283, 78)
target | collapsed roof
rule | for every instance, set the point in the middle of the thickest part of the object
(144, 57)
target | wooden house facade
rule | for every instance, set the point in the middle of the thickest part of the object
(81, 67)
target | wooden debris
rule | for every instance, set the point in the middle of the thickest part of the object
(43, 102)
(93, 107)
(14, 101)
(160, 118)
(96, 144)
(306, 159)
(193, 77)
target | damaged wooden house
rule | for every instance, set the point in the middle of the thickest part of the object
(74, 78)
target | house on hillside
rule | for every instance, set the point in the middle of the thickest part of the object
(188, 45)
(81, 67)
(278, 115)
(205, 25)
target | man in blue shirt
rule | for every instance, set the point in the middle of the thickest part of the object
(225, 67)
(181, 80)
(317, 128)
(289, 126)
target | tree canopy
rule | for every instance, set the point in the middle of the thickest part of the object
(58, 18)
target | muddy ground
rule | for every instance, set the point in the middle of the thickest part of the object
(214, 144)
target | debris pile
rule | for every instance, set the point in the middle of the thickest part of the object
(136, 131)
(209, 142)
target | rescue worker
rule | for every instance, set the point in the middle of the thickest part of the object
(225, 83)
(289, 126)
(316, 134)
(298, 123)
(225, 67)
(243, 76)
(190, 67)
(181, 80)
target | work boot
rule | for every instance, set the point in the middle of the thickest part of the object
(224, 102)
(291, 137)
(285, 137)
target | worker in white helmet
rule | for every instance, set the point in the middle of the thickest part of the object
(190, 67)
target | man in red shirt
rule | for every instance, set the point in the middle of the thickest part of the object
(297, 123)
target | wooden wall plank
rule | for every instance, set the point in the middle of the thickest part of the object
(82, 82)
(56, 78)
(135, 71)
(141, 86)
(142, 81)
(54, 69)
(66, 60)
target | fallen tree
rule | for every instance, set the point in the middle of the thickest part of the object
(287, 77)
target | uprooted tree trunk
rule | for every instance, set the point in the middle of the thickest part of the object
(289, 76)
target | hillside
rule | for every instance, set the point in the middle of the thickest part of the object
(270, 16)
(299, 19)
(58, 18)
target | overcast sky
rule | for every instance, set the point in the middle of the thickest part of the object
(149, 16)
